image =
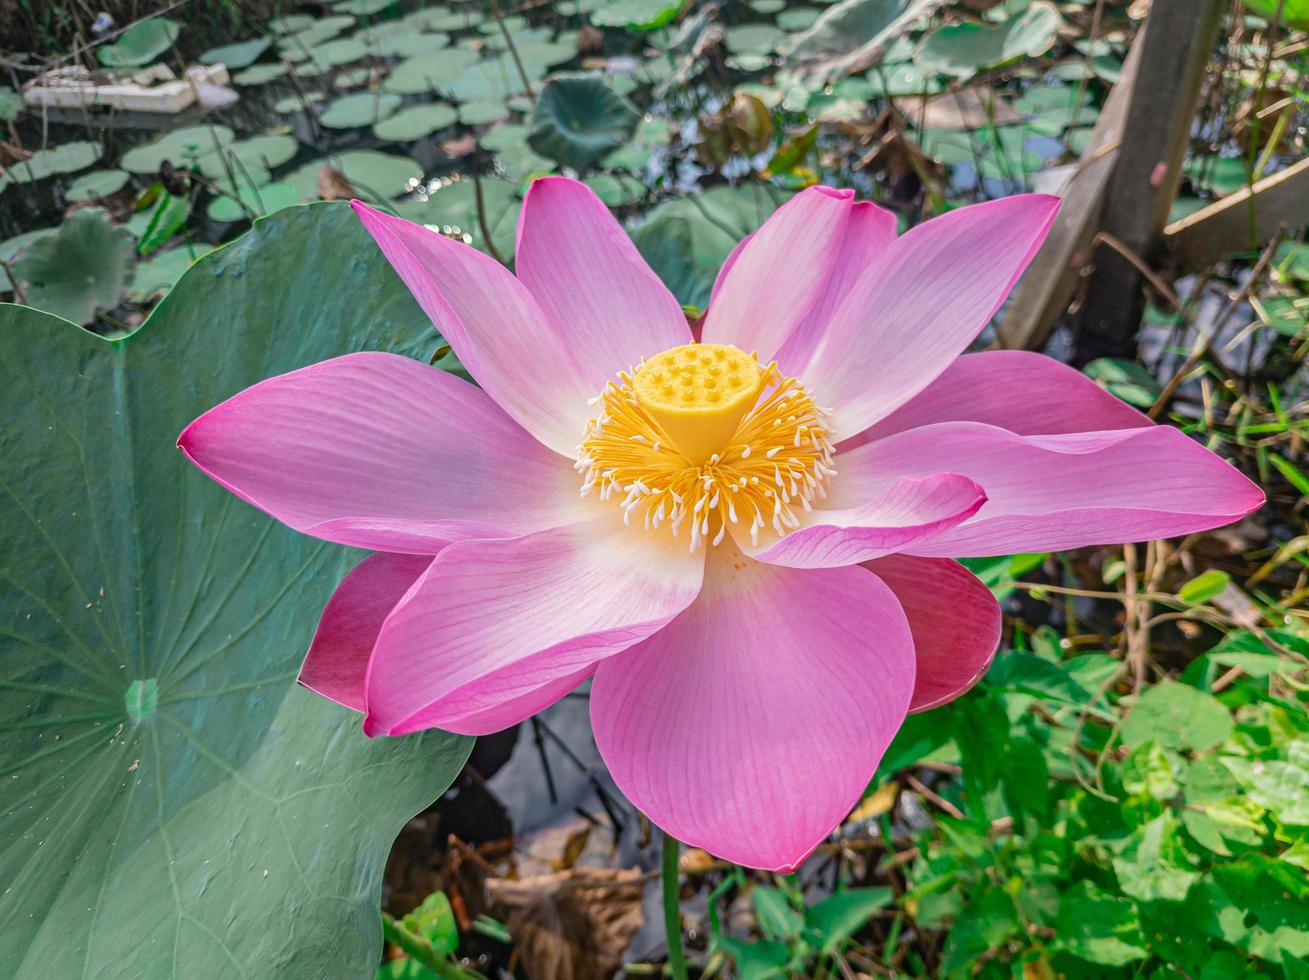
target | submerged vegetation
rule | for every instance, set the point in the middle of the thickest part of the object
(1124, 793)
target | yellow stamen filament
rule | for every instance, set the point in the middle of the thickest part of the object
(750, 456)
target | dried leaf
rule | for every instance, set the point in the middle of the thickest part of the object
(574, 925)
(333, 185)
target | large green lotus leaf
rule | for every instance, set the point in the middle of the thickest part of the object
(853, 35)
(141, 43)
(174, 805)
(964, 49)
(77, 271)
(66, 158)
(493, 78)
(237, 55)
(578, 119)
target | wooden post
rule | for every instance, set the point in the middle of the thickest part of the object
(1051, 281)
(1177, 47)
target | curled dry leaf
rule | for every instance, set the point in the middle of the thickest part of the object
(573, 925)
(334, 186)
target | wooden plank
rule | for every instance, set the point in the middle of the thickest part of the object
(1051, 280)
(1243, 221)
(1177, 48)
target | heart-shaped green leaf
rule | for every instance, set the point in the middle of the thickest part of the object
(174, 806)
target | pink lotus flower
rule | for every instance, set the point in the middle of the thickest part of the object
(749, 556)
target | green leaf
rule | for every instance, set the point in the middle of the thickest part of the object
(755, 961)
(230, 815)
(11, 104)
(1294, 475)
(434, 920)
(1099, 927)
(416, 122)
(96, 185)
(67, 158)
(963, 49)
(387, 174)
(78, 270)
(839, 916)
(919, 736)
(259, 201)
(1205, 586)
(141, 43)
(1125, 379)
(358, 110)
(851, 35)
(1177, 716)
(777, 919)
(664, 241)
(637, 15)
(180, 146)
(578, 119)
(1155, 863)
(167, 219)
(1278, 785)
(238, 55)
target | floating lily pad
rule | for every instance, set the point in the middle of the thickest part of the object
(546, 53)
(361, 109)
(258, 201)
(237, 55)
(383, 173)
(77, 270)
(438, 19)
(290, 23)
(798, 18)
(616, 191)
(637, 15)
(11, 104)
(453, 210)
(579, 119)
(482, 113)
(406, 45)
(161, 765)
(1041, 97)
(1054, 120)
(12, 247)
(768, 6)
(511, 23)
(495, 78)
(342, 51)
(180, 146)
(430, 72)
(754, 39)
(522, 38)
(260, 74)
(96, 184)
(962, 50)
(140, 44)
(297, 103)
(67, 158)
(363, 8)
(902, 79)
(504, 137)
(522, 161)
(256, 153)
(416, 122)
(155, 277)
